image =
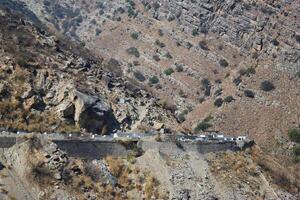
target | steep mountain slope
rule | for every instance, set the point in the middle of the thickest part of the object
(51, 84)
(201, 58)
(45, 80)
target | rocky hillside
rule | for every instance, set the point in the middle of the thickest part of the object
(235, 62)
(48, 86)
(170, 66)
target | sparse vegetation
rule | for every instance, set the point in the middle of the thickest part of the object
(134, 35)
(160, 44)
(179, 68)
(204, 125)
(133, 51)
(229, 99)
(294, 135)
(298, 74)
(181, 117)
(247, 72)
(153, 80)
(156, 58)
(223, 63)
(218, 102)
(195, 32)
(203, 45)
(267, 86)
(275, 42)
(249, 93)
(297, 37)
(178, 144)
(160, 32)
(168, 71)
(139, 76)
(206, 86)
(296, 151)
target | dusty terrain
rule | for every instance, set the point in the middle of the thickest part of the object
(152, 66)
(200, 53)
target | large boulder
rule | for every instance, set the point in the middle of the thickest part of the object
(88, 111)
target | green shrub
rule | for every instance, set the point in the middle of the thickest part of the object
(223, 63)
(179, 68)
(168, 55)
(296, 159)
(195, 32)
(229, 99)
(178, 144)
(160, 32)
(133, 51)
(298, 74)
(134, 35)
(139, 76)
(249, 93)
(156, 58)
(294, 135)
(168, 71)
(181, 117)
(267, 86)
(153, 80)
(296, 150)
(247, 72)
(160, 44)
(203, 45)
(204, 125)
(218, 102)
(275, 42)
(297, 38)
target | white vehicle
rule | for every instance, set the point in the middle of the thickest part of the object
(241, 138)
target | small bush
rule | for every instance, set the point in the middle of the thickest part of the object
(206, 86)
(195, 32)
(182, 94)
(298, 74)
(133, 51)
(134, 35)
(275, 42)
(229, 99)
(179, 68)
(237, 81)
(294, 135)
(92, 170)
(203, 45)
(156, 6)
(267, 86)
(296, 151)
(249, 93)
(156, 58)
(153, 80)
(223, 63)
(181, 117)
(168, 55)
(178, 144)
(218, 102)
(160, 32)
(168, 71)
(160, 44)
(297, 38)
(247, 72)
(204, 125)
(139, 76)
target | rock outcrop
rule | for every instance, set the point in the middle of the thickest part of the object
(88, 111)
